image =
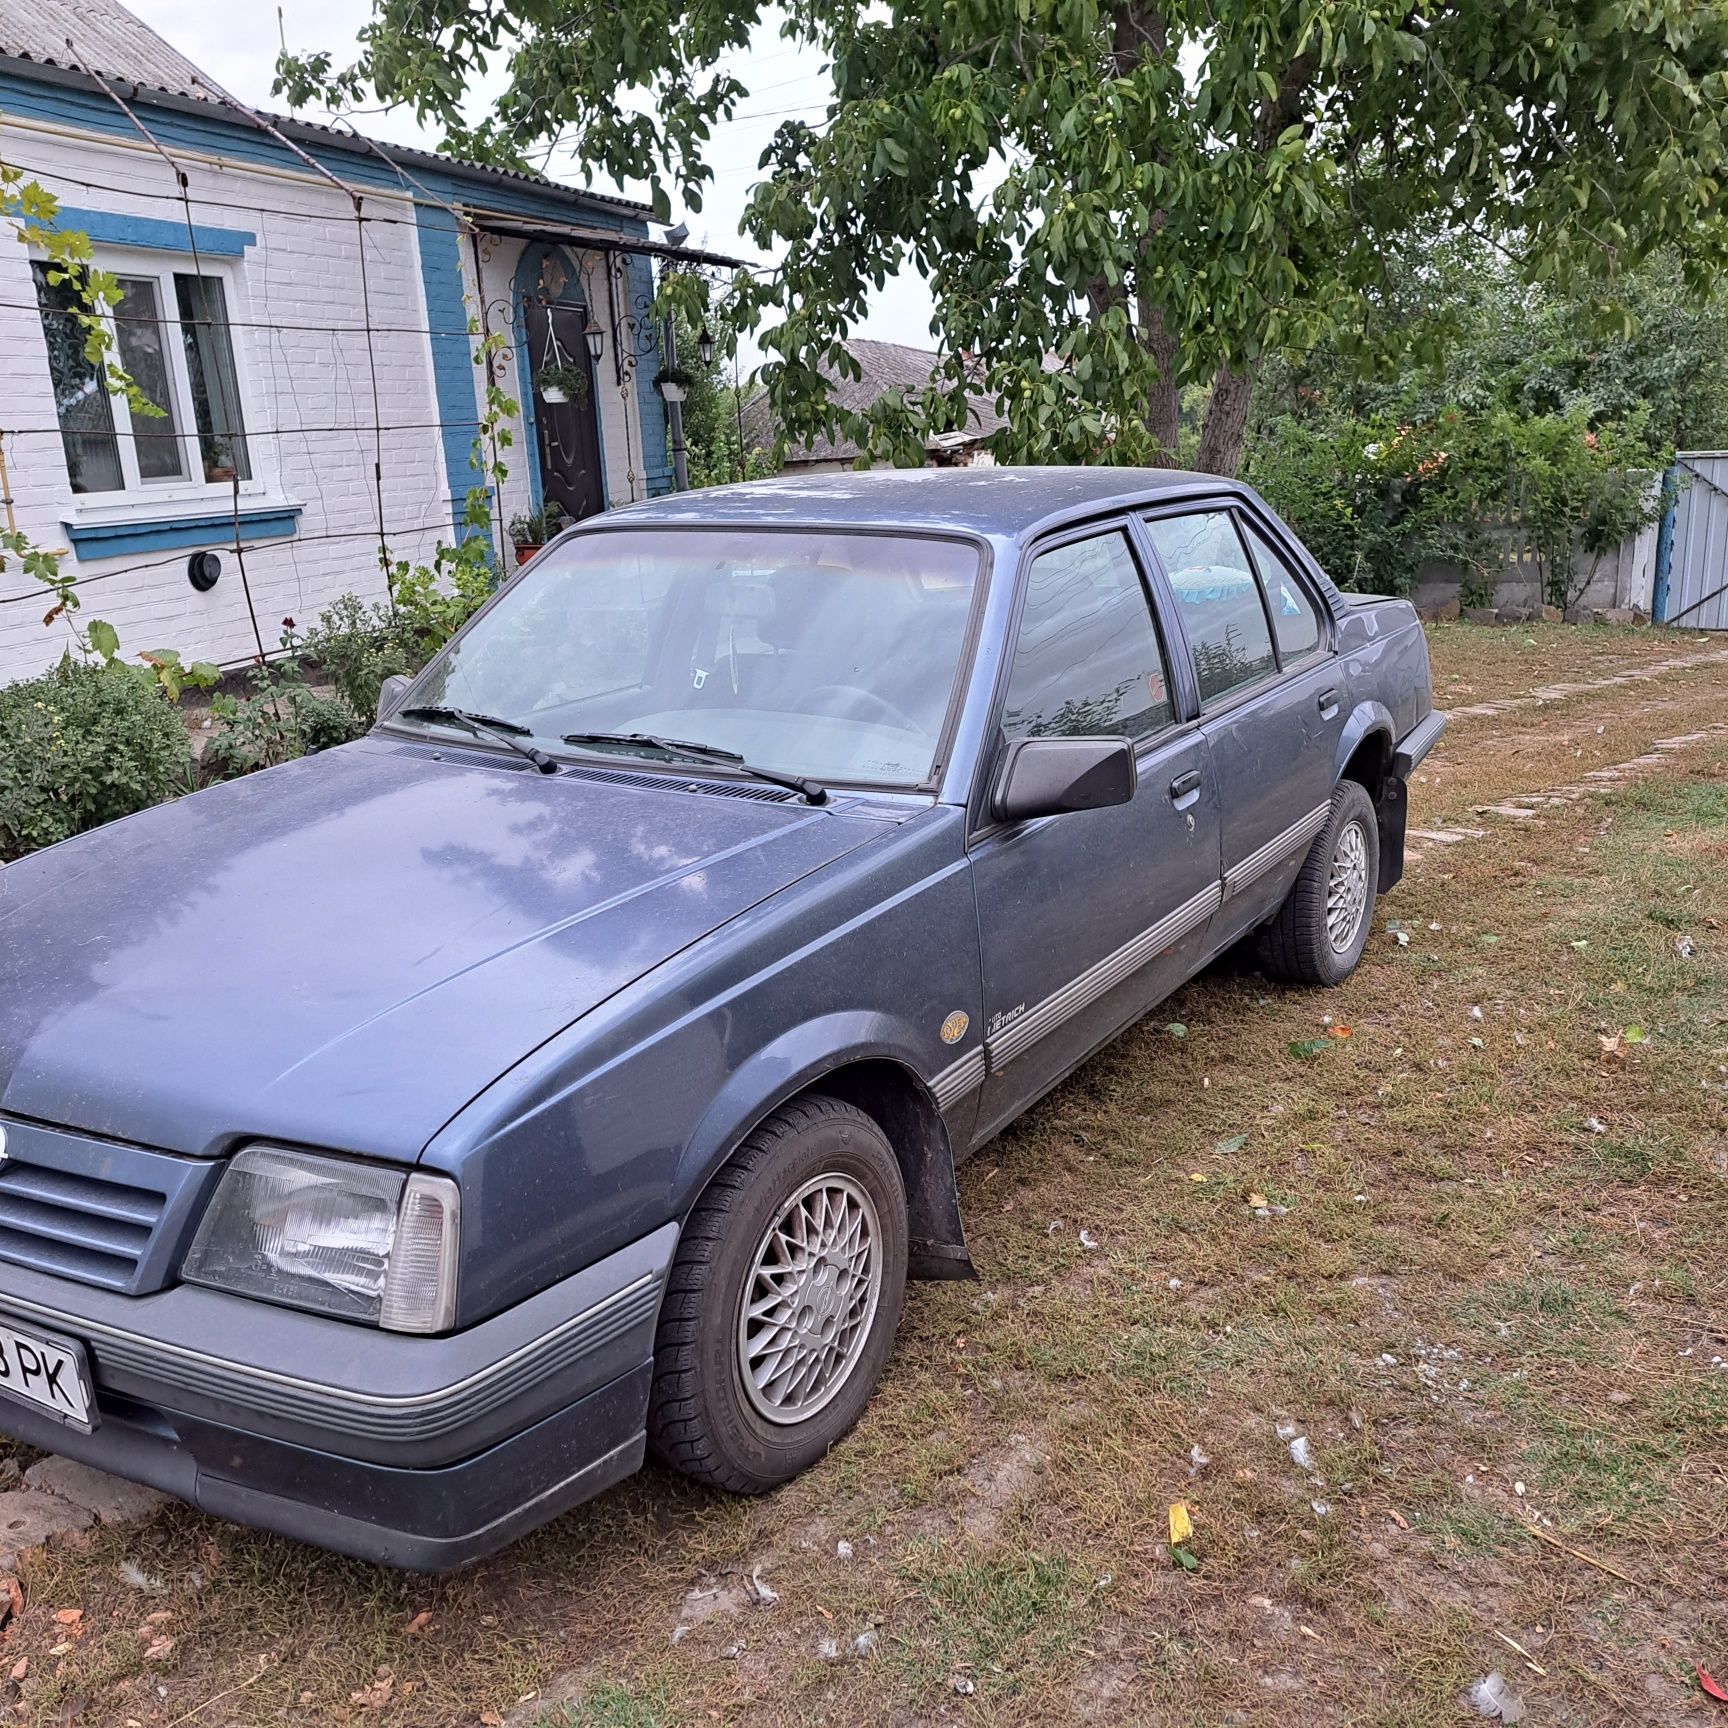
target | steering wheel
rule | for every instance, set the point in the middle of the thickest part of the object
(852, 698)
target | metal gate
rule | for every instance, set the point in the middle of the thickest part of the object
(1692, 551)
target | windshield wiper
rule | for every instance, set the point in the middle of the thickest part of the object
(813, 791)
(485, 726)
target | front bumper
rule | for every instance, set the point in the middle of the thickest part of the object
(418, 1452)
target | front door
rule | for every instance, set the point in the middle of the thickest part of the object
(567, 430)
(1270, 699)
(1088, 918)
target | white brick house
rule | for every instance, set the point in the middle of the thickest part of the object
(317, 367)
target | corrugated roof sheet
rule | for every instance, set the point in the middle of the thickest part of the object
(888, 368)
(105, 38)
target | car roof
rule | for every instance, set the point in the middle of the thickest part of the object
(1002, 502)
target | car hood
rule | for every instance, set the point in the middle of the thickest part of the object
(344, 951)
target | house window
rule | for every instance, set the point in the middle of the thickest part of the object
(171, 335)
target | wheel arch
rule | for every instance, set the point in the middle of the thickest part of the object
(854, 1063)
(1365, 754)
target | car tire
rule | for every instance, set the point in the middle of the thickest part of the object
(1318, 934)
(817, 1172)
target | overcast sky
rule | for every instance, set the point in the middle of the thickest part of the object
(237, 44)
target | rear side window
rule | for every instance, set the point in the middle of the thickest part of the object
(1219, 598)
(1087, 661)
(1295, 622)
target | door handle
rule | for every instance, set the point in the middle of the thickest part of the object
(1183, 785)
(1328, 702)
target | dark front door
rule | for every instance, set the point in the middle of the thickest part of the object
(568, 431)
(1089, 918)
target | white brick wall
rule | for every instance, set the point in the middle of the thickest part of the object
(304, 270)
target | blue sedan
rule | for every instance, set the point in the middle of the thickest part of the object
(400, 1143)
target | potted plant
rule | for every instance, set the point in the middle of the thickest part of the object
(562, 381)
(218, 462)
(533, 528)
(673, 382)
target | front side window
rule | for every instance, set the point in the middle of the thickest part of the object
(1294, 618)
(1087, 661)
(1219, 599)
(171, 335)
(828, 654)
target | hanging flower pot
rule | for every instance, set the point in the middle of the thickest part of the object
(561, 381)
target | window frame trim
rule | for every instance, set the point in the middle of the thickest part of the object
(1225, 504)
(1327, 637)
(163, 499)
(1123, 519)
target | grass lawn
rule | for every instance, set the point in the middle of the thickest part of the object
(1470, 1252)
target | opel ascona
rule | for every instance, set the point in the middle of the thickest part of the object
(400, 1143)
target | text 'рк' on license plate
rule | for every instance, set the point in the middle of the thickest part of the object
(48, 1374)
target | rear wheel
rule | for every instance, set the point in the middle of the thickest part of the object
(1318, 934)
(783, 1300)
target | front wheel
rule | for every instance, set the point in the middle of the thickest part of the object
(1318, 934)
(783, 1300)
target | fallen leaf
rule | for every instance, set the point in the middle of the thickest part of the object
(1187, 1561)
(1309, 1047)
(1610, 1047)
(158, 1648)
(1234, 1144)
(1340, 1031)
(1181, 1525)
(1196, 1176)
(1257, 1199)
(420, 1621)
(1397, 1518)
(1176, 1029)
(21, 1667)
(1634, 1034)
(1704, 1680)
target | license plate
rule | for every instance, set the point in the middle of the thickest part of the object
(47, 1374)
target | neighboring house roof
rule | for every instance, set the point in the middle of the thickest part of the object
(887, 368)
(109, 41)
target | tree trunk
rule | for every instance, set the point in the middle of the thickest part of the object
(1226, 420)
(1164, 403)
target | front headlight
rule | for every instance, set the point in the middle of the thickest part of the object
(358, 1241)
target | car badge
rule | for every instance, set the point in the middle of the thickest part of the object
(954, 1027)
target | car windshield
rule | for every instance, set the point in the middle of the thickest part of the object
(826, 654)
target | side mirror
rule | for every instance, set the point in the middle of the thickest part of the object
(1048, 776)
(391, 692)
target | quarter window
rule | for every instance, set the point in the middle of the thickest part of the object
(1219, 599)
(171, 334)
(1295, 622)
(1087, 661)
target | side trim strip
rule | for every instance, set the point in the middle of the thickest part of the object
(1276, 851)
(1096, 980)
(957, 1079)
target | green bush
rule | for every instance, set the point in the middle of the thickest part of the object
(283, 718)
(83, 744)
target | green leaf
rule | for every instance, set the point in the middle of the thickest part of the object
(1308, 1048)
(1234, 1144)
(1176, 1029)
(104, 638)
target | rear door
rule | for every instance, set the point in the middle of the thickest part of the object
(1271, 703)
(1088, 918)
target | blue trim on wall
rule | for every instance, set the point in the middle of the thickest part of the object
(650, 408)
(150, 232)
(453, 372)
(122, 539)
